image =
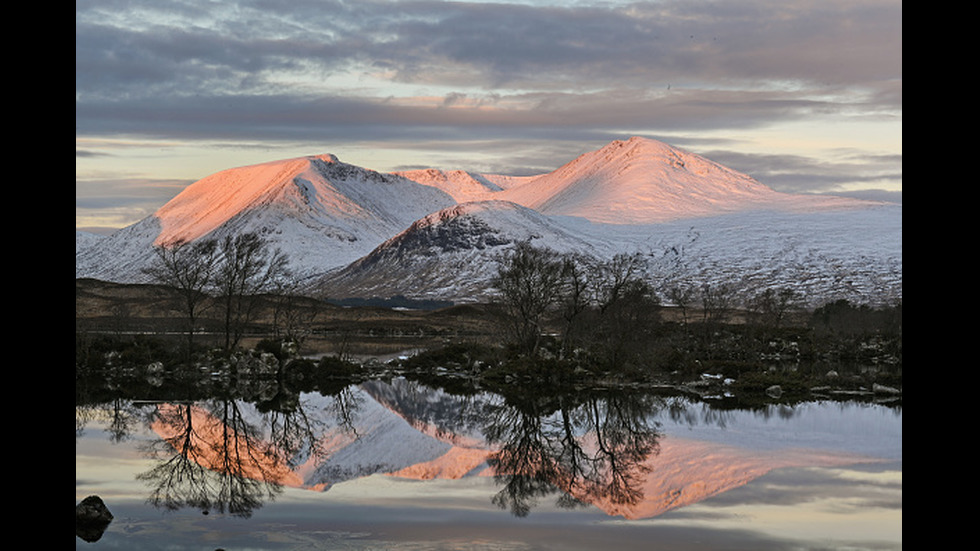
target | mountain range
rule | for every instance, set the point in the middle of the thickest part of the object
(438, 234)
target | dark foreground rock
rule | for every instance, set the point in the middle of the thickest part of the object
(91, 518)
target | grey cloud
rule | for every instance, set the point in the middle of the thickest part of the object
(566, 123)
(124, 191)
(310, 117)
(257, 72)
(798, 174)
(709, 42)
(120, 202)
(160, 78)
(515, 45)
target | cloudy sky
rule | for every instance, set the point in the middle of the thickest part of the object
(803, 95)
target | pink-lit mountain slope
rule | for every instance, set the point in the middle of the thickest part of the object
(641, 181)
(350, 231)
(465, 186)
(345, 200)
(323, 213)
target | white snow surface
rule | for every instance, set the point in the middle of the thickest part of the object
(319, 211)
(84, 240)
(437, 233)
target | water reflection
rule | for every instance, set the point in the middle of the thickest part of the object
(230, 456)
(235, 450)
(588, 446)
(210, 457)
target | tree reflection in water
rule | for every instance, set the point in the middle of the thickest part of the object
(230, 455)
(212, 460)
(590, 447)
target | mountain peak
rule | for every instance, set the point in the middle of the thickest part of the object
(647, 154)
(326, 157)
(438, 233)
(638, 142)
(211, 201)
(640, 180)
(317, 187)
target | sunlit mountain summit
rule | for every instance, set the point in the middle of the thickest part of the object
(351, 231)
(640, 181)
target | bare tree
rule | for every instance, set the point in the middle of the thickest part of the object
(529, 281)
(626, 309)
(611, 279)
(681, 296)
(292, 316)
(188, 268)
(574, 299)
(772, 306)
(605, 307)
(248, 269)
(716, 302)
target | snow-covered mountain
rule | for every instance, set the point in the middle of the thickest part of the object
(452, 253)
(84, 240)
(323, 213)
(642, 181)
(350, 231)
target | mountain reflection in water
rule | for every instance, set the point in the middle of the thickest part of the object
(585, 447)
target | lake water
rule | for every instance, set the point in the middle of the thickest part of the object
(400, 465)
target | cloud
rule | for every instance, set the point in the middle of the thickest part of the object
(101, 202)
(338, 117)
(329, 51)
(443, 73)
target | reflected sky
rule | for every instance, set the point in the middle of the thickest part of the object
(778, 512)
(861, 428)
(851, 504)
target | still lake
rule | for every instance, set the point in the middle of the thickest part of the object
(398, 464)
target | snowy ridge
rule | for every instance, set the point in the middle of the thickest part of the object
(461, 185)
(452, 253)
(642, 181)
(354, 232)
(84, 240)
(321, 212)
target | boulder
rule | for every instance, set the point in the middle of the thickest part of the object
(91, 518)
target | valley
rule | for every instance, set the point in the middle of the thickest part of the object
(324, 328)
